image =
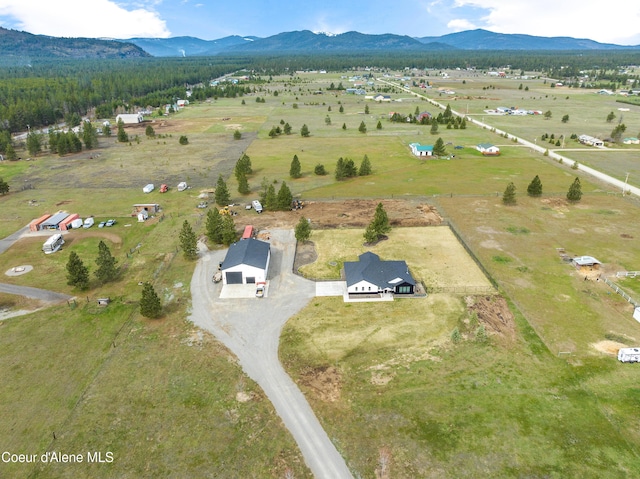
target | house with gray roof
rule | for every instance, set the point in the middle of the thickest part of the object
(370, 275)
(247, 262)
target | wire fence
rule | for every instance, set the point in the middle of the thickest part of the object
(618, 290)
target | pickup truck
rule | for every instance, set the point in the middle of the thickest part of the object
(260, 291)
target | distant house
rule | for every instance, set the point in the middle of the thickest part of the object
(355, 91)
(488, 149)
(421, 150)
(370, 275)
(423, 115)
(379, 97)
(631, 141)
(247, 262)
(129, 118)
(590, 140)
(182, 103)
(605, 92)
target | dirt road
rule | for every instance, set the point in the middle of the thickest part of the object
(251, 329)
(35, 293)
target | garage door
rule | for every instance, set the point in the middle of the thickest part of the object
(250, 279)
(234, 277)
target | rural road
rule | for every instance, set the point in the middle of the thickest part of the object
(7, 242)
(624, 187)
(35, 293)
(251, 329)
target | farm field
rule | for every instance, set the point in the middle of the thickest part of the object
(541, 395)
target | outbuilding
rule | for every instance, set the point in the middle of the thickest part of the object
(421, 150)
(247, 262)
(67, 223)
(53, 223)
(129, 118)
(488, 149)
(35, 224)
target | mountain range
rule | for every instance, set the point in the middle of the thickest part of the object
(15, 43)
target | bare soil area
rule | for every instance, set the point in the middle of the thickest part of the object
(494, 313)
(324, 382)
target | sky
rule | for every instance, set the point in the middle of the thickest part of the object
(617, 23)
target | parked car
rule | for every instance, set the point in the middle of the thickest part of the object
(110, 223)
(101, 224)
(260, 291)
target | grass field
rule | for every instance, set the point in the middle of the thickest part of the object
(165, 398)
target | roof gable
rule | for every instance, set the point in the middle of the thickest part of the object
(384, 274)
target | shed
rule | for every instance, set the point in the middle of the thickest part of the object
(247, 262)
(370, 275)
(421, 150)
(35, 224)
(586, 262)
(65, 224)
(53, 223)
(129, 118)
(150, 208)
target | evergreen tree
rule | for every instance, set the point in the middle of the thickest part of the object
(237, 135)
(434, 128)
(150, 306)
(303, 229)
(123, 137)
(287, 129)
(34, 143)
(350, 169)
(417, 111)
(362, 128)
(439, 148)
(575, 191)
(463, 124)
(295, 169)
(366, 109)
(77, 272)
(319, 170)
(304, 131)
(365, 167)
(535, 187)
(89, 135)
(183, 140)
(381, 221)
(228, 230)
(243, 166)
(344, 126)
(341, 109)
(284, 198)
(149, 132)
(4, 187)
(370, 235)
(447, 112)
(243, 184)
(213, 226)
(271, 199)
(379, 125)
(10, 153)
(107, 269)
(509, 195)
(222, 192)
(340, 172)
(188, 241)
(106, 131)
(327, 120)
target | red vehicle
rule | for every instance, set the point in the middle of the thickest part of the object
(164, 188)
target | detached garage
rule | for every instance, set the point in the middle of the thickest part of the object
(247, 262)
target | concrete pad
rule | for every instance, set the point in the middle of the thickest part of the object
(18, 270)
(330, 288)
(241, 291)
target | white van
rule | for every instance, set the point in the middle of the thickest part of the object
(257, 206)
(88, 223)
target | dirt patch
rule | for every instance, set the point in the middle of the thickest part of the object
(305, 254)
(494, 313)
(608, 347)
(114, 238)
(558, 204)
(350, 214)
(380, 379)
(324, 382)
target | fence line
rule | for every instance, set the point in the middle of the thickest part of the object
(627, 274)
(618, 290)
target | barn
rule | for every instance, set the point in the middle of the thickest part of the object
(586, 263)
(247, 262)
(129, 118)
(53, 222)
(421, 150)
(371, 276)
(488, 149)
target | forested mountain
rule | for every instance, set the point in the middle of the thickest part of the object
(187, 46)
(484, 40)
(18, 44)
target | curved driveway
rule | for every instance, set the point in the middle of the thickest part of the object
(251, 329)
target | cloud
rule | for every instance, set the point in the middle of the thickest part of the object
(461, 24)
(83, 18)
(550, 18)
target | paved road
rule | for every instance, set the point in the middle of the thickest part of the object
(7, 242)
(251, 329)
(35, 293)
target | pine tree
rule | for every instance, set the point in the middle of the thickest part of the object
(341, 109)
(188, 241)
(365, 167)
(439, 148)
(228, 230)
(271, 199)
(284, 198)
(4, 187)
(123, 137)
(434, 128)
(295, 169)
(379, 125)
(381, 221)
(370, 235)
(222, 192)
(150, 306)
(213, 226)
(237, 135)
(340, 173)
(243, 165)
(10, 153)
(89, 135)
(350, 169)
(362, 128)
(287, 129)
(107, 269)
(509, 195)
(319, 170)
(344, 126)
(535, 187)
(77, 272)
(34, 143)
(243, 184)
(149, 132)
(303, 229)
(575, 191)
(304, 131)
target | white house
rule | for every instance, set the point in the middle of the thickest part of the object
(129, 118)
(631, 141)
(381, 97)
(421, 150)
(247, 262)
(370, 275)
(590, 140)
(488, 149)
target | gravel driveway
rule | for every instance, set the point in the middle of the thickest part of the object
(251, 329)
